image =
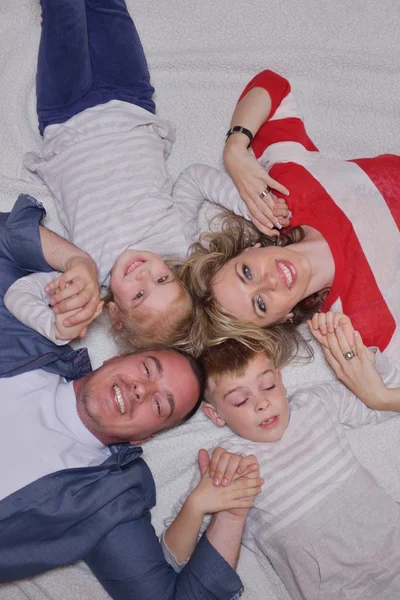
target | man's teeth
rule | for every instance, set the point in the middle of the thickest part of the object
(287, 274)
(119, 399)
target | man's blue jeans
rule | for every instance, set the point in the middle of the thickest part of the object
(89, 53)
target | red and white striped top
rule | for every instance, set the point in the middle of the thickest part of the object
(354, 204)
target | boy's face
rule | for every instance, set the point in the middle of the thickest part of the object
(141, 281)
(254, 404)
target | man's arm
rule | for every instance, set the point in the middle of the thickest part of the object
(129, 563)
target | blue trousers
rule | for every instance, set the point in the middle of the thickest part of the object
(89, 53)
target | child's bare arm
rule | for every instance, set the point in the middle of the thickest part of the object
(182, 535)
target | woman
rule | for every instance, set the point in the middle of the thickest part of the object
(342, 249)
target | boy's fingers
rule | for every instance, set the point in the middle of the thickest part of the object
(230, 470)
(214, 460)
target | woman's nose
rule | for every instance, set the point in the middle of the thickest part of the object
(270, 281)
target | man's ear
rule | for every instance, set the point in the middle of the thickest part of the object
(210, 411)
(114, 315)
(140, 442)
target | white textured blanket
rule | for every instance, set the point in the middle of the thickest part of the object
(342, 59)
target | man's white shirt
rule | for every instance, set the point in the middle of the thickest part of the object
(40, 430)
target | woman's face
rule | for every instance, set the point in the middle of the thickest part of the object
(262, 285)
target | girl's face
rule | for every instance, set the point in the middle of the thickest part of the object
(262, 285)
(142, 280)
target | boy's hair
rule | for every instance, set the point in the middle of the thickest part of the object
(155, 329)
(229, 358)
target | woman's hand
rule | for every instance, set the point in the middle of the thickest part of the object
(323, 323)
(358, 373)
(76, 292)
(252, 180)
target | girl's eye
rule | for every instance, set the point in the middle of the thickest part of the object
(246, 272)
(241, 403)
(162, 279)
(261, 304)
(138, 295)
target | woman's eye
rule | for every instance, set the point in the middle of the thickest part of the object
(246, 272)
(261, 304)
(241, 403)
(138, 295)
(162, 279)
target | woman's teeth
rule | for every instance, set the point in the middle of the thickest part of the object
(119, 399)
(287, 273)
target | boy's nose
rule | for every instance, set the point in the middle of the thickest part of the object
(262, 404)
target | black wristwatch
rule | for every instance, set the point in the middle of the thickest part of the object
(239, 129)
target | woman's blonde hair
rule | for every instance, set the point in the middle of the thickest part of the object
(212, 324)
(155, 329)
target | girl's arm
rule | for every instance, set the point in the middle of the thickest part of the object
(77, 287)
(27, 300)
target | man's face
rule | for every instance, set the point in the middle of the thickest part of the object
(132, 397)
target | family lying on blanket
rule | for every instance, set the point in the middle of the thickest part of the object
(219, 323)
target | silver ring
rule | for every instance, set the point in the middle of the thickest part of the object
(265, 192)
(349, 355)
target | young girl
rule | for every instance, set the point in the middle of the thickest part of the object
(103, 158)
(342, 249)
(326, 526)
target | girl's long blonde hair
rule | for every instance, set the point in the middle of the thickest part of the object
(212, 324)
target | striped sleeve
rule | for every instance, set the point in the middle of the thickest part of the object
(284, 123)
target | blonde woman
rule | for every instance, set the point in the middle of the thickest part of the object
(342, 248)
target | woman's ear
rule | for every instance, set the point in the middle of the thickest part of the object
(257, 245)
(114, 315)
(289, 317)
(210, 411)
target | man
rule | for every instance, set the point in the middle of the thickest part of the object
(64, 493)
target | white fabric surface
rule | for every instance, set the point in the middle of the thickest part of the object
(342, 60)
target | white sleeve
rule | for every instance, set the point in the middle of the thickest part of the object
(198, 183)
(352, 411)
(28, 302)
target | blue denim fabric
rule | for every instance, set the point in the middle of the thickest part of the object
(89, 53)
(21, 348)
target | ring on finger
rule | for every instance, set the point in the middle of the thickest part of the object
(349, 355)
(265, 192)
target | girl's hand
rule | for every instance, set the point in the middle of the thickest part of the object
(76, 331)
(251, 179)
(76, 292)
(208, 499)
(226, 467)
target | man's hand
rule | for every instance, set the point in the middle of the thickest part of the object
(251, 179)
(225, 466)
(76, 292)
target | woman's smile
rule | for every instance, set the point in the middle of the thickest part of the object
(262, 285)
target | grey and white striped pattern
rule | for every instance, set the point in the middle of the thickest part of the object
(106, 170)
